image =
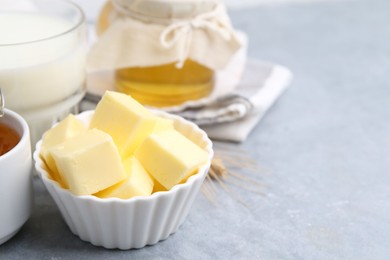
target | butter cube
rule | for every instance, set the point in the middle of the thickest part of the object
(67, 128)
(126, 120)
(170, 157)
(163, 124)
(89, 162)
(137, 183)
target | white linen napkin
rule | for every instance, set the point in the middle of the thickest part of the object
(261, 85)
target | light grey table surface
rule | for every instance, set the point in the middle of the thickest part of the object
(325, 146)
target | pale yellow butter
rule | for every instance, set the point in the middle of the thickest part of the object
(170, 157)
(163, 124)
(126, 120)
(137, 183)
(89, 162)
(67, 128)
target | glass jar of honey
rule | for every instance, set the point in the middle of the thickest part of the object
(164, 52)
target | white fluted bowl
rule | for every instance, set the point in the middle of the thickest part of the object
(135, 222)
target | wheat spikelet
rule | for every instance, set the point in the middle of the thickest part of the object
(222, 174)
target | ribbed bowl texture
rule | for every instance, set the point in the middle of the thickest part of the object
(135, 222)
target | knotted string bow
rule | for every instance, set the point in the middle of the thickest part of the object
(183, 30)
(178, 30)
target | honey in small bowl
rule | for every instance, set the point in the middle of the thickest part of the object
(9, 138)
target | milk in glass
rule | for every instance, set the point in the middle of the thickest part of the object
(42, 66)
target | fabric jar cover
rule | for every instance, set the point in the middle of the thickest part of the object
(146, 33)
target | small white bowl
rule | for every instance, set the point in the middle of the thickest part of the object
(135, 222)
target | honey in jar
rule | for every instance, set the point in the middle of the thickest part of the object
(172, 82)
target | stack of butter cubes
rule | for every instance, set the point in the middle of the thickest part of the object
(125, 151)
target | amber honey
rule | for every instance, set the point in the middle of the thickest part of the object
(9, 138)
(163, 85)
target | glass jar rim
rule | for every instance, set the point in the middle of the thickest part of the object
(164, 10)
(80, 21)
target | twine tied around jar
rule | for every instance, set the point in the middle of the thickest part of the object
(178, 29)
(179, 34)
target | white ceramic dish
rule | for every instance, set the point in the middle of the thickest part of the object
(16, 191)
(135, 222)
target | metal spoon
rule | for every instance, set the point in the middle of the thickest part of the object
(2, 104)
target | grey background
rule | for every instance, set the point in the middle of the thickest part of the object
(323, 151)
